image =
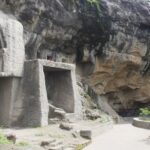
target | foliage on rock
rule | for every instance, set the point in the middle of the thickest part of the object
(4, 140)
(145, 112)
(95, 2)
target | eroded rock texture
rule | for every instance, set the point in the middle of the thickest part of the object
(109, 41)
(122, 70)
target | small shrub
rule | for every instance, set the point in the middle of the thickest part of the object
(105, 119)
(4, 140)
(80, 147)
(145, 112)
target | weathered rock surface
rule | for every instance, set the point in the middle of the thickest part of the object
(121, 69)
(48, 24)
(52, 145)
(109, 41)
(66, 126)
(92, 114)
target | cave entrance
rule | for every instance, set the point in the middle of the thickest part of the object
(133, 111)
(5, 100)
(59, 88)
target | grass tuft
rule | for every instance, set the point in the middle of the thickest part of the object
(4, 140)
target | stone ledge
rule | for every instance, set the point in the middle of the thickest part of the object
(52, 64)
(9, 74)
(141, 123)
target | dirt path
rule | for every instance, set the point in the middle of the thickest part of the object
(122, 137)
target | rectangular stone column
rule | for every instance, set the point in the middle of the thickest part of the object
(35, 103)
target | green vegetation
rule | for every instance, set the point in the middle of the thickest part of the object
(105, 118)
(145, 112)
(80, 146)
(95, 3)
(4, 140)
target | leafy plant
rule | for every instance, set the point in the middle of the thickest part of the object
(80, 146)
(145, 112)
(4, 140)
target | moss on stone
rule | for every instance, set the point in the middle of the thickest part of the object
(95, 3)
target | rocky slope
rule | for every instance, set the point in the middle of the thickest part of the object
(109, 40)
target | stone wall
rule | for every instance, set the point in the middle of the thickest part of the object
(5, 100)
(12, 56)
(12, 52)
(9, 96)
(35, 104)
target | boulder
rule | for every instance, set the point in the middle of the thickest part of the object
(66, 126)
(87, 133)
(92, 114)
(11, 137)
(46, 142)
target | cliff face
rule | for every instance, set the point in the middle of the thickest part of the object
(108, 40)
(121, 71)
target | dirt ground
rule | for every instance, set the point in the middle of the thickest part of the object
(34, 136)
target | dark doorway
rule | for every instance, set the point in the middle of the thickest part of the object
(59, 88)
(5, 100)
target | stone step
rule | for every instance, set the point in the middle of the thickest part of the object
(56, 143)
(47, 142)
